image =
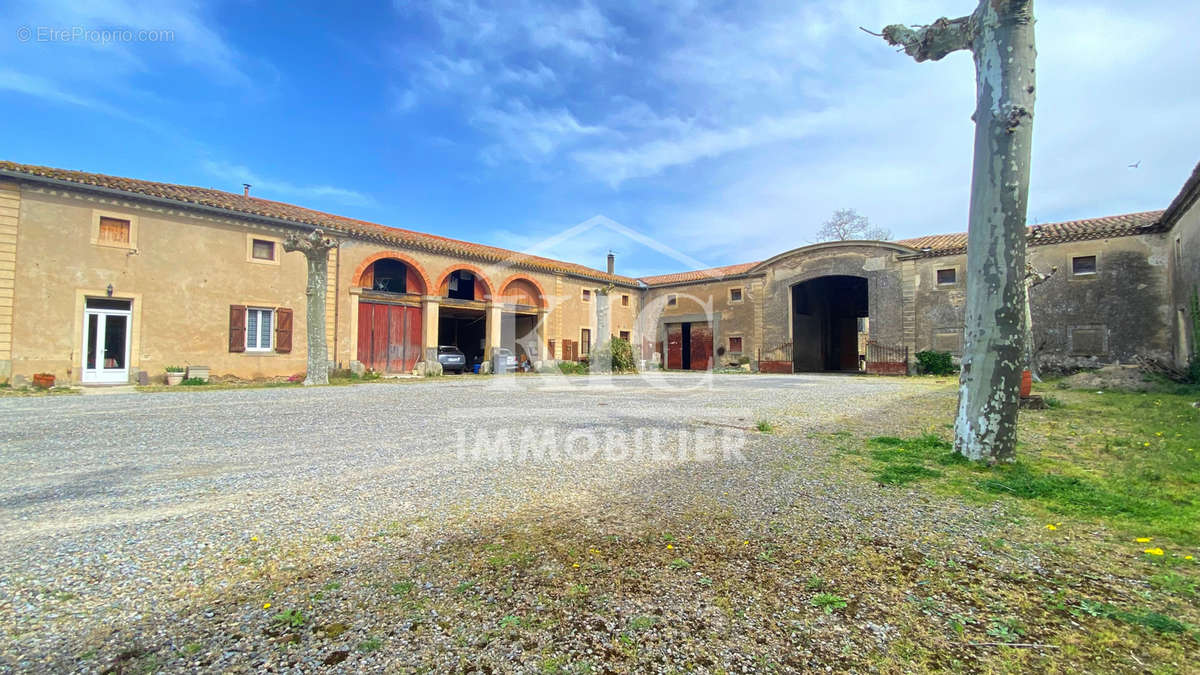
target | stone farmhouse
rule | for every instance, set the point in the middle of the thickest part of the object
(105, 278)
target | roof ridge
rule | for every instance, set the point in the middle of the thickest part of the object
(269, 208)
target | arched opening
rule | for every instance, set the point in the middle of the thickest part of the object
(522, 298)
(462, 316)
(391, 275)
(829, 324)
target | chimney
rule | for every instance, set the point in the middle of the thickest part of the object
(612, 262)
(245, 189)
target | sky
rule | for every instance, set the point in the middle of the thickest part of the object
(723, 132)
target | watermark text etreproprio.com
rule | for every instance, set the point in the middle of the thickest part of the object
(96, 35)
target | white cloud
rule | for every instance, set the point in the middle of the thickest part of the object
(236, 174)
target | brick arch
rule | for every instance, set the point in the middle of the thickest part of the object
(491, 290)
(398, 255)
(522, 277)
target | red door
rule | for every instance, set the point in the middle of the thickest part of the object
(702, 346)
(389, 337)
(674, 346)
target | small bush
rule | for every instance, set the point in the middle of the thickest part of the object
(572, 368)
(935, 363)
(193, 381)
(174, 369)
(619, 351)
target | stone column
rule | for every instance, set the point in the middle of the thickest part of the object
(542, 317)
(494, 314)
(429, 326)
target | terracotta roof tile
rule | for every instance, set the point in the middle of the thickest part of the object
(1049, 233)
(238, 204)
(713, 274)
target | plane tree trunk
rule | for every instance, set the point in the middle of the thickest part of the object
(315, 248)
(1000, 36)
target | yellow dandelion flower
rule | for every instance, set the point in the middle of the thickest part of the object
(1158, 433)
(670, 547)
(1051, 527)
(575, 565)
(1153, 551)
(266, 605)
(1146, 444)
(746, 543)
(1187, 557)
(1142, 540)
(253, 538)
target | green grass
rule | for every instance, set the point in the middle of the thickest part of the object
(764, 426)
(1131, 460)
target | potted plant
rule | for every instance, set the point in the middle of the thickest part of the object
(174, 375)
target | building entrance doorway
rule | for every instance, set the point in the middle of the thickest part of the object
(825, 323)
(106, 341)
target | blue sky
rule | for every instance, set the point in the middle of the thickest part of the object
(728, 131)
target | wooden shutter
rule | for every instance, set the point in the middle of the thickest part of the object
(237, 328)
(283, 330)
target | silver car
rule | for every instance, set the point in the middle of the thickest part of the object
(452, 359)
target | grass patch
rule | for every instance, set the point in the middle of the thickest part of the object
(764, 426)
(1131, 460)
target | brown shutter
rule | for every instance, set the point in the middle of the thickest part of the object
(237, 328)
(283, 330)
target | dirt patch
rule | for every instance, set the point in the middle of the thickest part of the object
(1115, 377)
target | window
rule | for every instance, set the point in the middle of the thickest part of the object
(624, 300)
(947, 277)
(672, 301)
(258, 329)
(585, 341)
(735, 295)
(114, 230)
(550, 348)
(624, 335)
(261, 249)
(1083, 265)
(587, 295)
(735, 344)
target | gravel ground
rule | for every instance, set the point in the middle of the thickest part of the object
(148, 531)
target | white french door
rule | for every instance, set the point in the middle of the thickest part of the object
(106, 324)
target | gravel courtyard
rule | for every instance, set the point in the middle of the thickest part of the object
(166, 531)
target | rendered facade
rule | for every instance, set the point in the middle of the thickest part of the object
(104, 277)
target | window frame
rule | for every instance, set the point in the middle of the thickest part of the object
(741, 294)
(258, 348)
(585, 345)
(741, 344)
(277, 248)
(672, 300)
(624, 299)
(585, 295)
(625, 335)
(1085, 275)
(132, 219)
(937, 276)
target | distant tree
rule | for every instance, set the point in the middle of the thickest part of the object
(847, 224)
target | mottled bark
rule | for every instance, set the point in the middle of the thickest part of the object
(315, 248)
(1032, 278)
(601, 361)
(1000, 36)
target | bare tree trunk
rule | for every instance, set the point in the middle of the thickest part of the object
(601, 361)
(315, 248)
(1032, 278)
(1000, 35)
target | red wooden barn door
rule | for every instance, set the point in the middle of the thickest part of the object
(674, 346)
(389, 337)
(702, 346)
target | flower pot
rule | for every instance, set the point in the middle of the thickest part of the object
(43, 380)
(174, 378)
(1026, 383)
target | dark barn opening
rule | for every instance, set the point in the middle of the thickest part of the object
(465, 329)
(460, 285)
(391, 276)
(825, 323)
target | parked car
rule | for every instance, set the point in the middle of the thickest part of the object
(452, 359)
(504, 356)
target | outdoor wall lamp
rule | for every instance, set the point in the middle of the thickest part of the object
(109, 290)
